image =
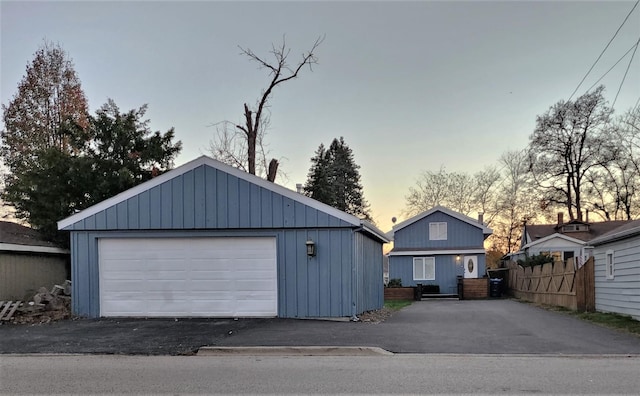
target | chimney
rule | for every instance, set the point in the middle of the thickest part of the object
(587, 216)
(299, 188)
(560, 218)
(480, 217)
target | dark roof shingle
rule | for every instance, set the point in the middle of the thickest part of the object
(538, 231)
(18, 234)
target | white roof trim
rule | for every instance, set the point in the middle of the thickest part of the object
(12, 247)
(418, 252)
(204, 160)
(552, 236)
(485, 230)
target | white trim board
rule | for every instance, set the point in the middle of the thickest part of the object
(418, 252)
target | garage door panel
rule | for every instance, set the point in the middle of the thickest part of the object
(210, 276)
(209, 286)
(256, 285)
(188, 277)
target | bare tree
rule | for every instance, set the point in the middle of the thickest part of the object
(569, 141)
(614, 188)
(461, 192)
(228, 145)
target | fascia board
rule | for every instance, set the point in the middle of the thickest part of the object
(419, 252)
(12, 247)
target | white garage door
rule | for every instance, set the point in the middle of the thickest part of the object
(171, 277)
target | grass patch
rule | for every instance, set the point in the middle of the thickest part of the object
(397, 305)
(611, 320)
(606, 319)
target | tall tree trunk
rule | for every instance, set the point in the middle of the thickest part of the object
(252, 135)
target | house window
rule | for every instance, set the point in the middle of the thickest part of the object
(609, 266)
(424, 268)
(438, 231)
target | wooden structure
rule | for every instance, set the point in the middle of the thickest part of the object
(399, 293)
(474, 289)
(559, 284)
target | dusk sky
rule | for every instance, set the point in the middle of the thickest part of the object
(411, 86)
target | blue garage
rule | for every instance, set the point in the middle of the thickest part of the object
(209, 240)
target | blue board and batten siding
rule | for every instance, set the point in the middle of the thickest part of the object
(464, 238)
(207, 198)
(369, 273)
(447, 270)
(343, 279)
(460, 234)
(622, 293)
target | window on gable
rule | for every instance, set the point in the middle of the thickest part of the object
(438, 231)
(424, 268)
(609, 265)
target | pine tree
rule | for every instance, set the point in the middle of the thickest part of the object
(334, 179)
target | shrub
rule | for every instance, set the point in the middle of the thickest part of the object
(531, 261)
(395, 282)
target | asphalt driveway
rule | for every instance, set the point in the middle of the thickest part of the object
(435, 326)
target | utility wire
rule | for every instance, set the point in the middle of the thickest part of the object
(603, 51)
(615, 64)
(625, 74)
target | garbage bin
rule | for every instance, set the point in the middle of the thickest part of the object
(495, 287)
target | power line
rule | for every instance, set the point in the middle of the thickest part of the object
(605, 49)
(615, 64)
(625, 74)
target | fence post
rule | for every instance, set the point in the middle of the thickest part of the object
(580, 288)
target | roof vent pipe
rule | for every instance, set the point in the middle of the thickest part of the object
(560, 218)
(299, 188)
(481, 217)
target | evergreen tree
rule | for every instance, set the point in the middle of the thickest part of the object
(334, 179)
(122, 153)
(59, 159)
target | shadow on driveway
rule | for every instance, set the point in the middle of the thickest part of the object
(436, 326)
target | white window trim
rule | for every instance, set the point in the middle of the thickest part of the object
(424, 261)
(438, 231)
(609, 265)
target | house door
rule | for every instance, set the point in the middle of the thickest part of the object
(470, 266)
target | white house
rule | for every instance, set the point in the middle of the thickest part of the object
(563, 240)
(617, 270)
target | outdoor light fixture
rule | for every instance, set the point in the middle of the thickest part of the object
(458, 257)
(311, 248)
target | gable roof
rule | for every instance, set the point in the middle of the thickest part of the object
(539, 231)
(554, 236)
(485, 230)
(208, 161)
(626, 230)
(18, 238)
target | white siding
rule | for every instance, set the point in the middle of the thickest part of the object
(622, 293)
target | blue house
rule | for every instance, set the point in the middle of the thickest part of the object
(437, 246)
(209, 240)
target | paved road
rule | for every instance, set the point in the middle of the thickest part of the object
(436, 326)
(405, 373)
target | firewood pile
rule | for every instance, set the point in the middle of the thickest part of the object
(45, 306)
